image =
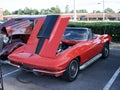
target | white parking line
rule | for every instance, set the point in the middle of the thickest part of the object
(111, 81)
(10, 73)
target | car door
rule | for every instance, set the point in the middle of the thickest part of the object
(91, 47)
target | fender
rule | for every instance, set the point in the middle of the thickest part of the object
(106, 38)
(67, 56)
(10, 48)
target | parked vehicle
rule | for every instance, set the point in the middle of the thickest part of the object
(16, 33)
(58, 50)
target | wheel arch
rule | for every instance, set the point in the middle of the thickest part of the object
(107, 43)
(14, 46)
(105, 50)
(66, 75)
(78, 58)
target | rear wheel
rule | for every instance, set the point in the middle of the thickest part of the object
(105, 52)
(72, 71)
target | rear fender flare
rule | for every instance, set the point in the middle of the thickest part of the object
(10, 48)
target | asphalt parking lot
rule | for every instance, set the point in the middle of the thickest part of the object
(101, 75)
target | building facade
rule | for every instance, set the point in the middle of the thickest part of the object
(81, 16)
(1, 14)
(95, 16)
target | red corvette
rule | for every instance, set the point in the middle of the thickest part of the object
(56, 50)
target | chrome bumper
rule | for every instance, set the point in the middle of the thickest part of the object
(37, 70)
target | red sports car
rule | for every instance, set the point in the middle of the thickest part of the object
(58, 50)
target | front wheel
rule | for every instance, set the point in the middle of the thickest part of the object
(72, 71)
(105, 52)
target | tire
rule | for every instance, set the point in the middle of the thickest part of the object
(105, 52)
(72, 71)
(4, 57)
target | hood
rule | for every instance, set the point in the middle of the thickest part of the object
(45, 37)
(23, 27)
(50, 35)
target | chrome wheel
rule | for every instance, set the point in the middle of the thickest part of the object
(105, 52)
(72, 71)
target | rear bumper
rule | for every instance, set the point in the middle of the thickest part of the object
(32, 69)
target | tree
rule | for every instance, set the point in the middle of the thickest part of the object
(118, 11)
(6, 12)
(72, 11)
(67, 9)
(94, 11)
(34, 12)
(109, 10)
(27, 10)
(97, 11)
(43, 11)
(15, 12)
(55, 10)
(20, 12)
(82, 11)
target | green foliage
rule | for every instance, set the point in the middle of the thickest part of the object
(82, 11)
(20, 12)
(109, 10)
(111, 28)
(66, 9)
(52, 10)
(55, 10)
(6, 12)
(44, 11)
(34, 12)
(97, 11)
(26, 11)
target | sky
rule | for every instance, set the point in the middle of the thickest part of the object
(89, 5)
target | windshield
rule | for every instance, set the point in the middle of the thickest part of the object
(75, 34)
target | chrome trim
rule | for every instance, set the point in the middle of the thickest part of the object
(90, 61)
(8, 62)
(43, 71)
(36, 70)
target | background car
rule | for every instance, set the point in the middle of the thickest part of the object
(17, 31)
(56, 50)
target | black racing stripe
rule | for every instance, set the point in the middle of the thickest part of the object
(40, 44)
(47, 27)
(46, 30)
